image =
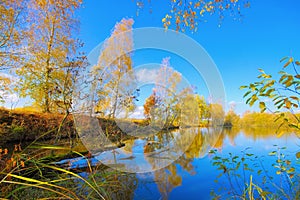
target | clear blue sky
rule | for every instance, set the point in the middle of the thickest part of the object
(268, 31)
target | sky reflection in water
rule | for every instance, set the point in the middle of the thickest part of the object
(199, 180)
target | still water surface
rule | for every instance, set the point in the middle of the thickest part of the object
(192, 173)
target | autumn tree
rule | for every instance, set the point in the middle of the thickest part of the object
(50, 43)
(231, 119)
(171, 102)
(151, 103)
(187, 111)
(187, 15)
(169, 92)
(10, 39)
(4, 87)
(217, 114)
(203, 108)
(113, 72)
(11, 34)
(72, 74)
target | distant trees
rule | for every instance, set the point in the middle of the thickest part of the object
(231, 119)
(216, 114)
(185, 108)
(170, 103)
(203, 108)
(164, 105)
(113, 72)
(256, 119)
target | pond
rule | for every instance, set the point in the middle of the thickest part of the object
(202, 163)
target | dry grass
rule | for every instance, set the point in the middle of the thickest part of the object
(19, 126)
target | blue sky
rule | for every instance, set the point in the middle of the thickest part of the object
(268, 31)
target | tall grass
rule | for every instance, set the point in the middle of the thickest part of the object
(32, 173)
(30, 177)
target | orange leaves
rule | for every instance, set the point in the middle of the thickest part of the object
(197, 4)
(12, 160)
(166, 21)
(17, 147)
(3, 152)
(150, 104)
(287, 63)
(288, 103)
(42, 3)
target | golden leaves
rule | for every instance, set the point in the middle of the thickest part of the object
(113, 63)
(42, 3)
(50, 47)
(150, 104)
(167, 21)
(11, 32)
(187, 14)
(5, 151)
(262, 106)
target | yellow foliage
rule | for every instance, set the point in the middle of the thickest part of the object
(188, 14)
(114, 66)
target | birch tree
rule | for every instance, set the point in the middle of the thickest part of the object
(114, 71)
(50, 42)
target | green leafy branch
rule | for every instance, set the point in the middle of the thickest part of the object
(283, 92)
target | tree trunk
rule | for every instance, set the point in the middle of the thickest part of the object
(48, 72)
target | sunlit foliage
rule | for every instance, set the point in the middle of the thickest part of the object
(231, 119)
(151, 103)
(203, 109)
(283, 92)
(166, 103)
(113, 71)
(12, 27)
(217, 114)
(50, 48)
(187, 15)
(4, 87)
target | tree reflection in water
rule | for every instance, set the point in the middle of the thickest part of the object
(193, 142)
(203, 139)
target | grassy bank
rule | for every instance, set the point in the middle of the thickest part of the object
(24, 126)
